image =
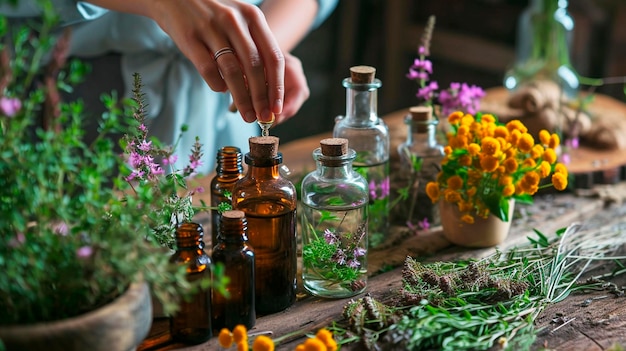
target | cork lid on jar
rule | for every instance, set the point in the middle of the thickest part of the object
(334, 146)
(421, 113)
(233, 214)
(362, 74)
(263, 147)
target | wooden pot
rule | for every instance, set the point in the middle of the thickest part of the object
(119, 326)
(484, 232)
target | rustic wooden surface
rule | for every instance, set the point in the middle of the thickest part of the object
(595, 327)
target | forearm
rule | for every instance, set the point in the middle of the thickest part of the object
(289, 20)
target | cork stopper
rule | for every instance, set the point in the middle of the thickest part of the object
(233, 214)
(334, 146)
(263, 147)
(362, 74)
(421, 113)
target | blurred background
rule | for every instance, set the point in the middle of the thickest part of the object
(473, 42)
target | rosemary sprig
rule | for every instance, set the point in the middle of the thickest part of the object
(478, 304)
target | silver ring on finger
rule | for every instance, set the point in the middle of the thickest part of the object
(223, 51)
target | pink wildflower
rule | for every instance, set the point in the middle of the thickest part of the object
(10, 106)
(84, 252)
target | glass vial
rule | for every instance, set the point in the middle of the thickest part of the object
(269, 202)
(420, 162)
(229, 170)
(192, 323)
(544, 35)
(368, 135)
(233, 251)
(334, 223)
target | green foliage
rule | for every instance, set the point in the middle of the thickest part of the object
(75, 233)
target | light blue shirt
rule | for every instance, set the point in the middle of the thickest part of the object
(175, 93)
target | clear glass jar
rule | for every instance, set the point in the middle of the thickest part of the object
(269, 202)
(192, 323)
(232, 250)
(334, 223)
(420, 162)
(368, 136)
(229, 170)
(544, 35)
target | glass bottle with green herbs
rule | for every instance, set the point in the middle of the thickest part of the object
(269, 202)
(233, 251)
(229, 170)
(334, 223)
(192, 323)
(369, 137)
(420, 163)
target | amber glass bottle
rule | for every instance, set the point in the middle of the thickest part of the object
(192, 323)
(229, 170)
(269, 202)
(233, 251)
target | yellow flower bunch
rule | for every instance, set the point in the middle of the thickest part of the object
(323, 341)
(487, 163)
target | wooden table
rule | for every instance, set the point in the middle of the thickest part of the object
(549, 213)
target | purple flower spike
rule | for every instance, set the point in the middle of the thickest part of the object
(359, 251)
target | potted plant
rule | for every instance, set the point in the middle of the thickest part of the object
(487, 166)
(84, 230)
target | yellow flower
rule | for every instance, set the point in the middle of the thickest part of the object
(432, 190)
(451, 195)
(555, 141)
(314, 344)
(467, 218)
(240, 333)
(550, 156)
(544, 137)
(455, 117)
(537, 151)
(510, 164)
(447, 149)
(544, 169)
(489, 163)
(490, 146)
(263, 343)
(455, 182)
(327, 338)
(299, 348)
(526, 142)
(242, 346)
(463, 131)
(515, 136)
(516, 125)
(508, 190)
(529, 163)
(559, 180)
(465, 160)
(488, 118)
(467, 120)
(501, 132)
(473, 149)
(225, 338)
(560, 168)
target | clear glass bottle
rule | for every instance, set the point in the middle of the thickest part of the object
(334, 223)
(269, 202)
(192, 323)
(229, 170)
(233, 251)
(544, 35)
(420, 162)
(368, 135)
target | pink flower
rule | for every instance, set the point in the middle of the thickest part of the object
(358, 252)
(199, 190)
(18, 240)
(84, 252)
(385, 188)
(10, 106)
(60, 228)
(329, 237)
(372, 188)
(170, 160)
(145, 146)
(354, 264)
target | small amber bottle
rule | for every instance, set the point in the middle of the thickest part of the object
(229, 170)
(269, 202)
(233, 251)
(192, 323)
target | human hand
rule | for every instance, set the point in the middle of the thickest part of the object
(296, 88)
(253, 70)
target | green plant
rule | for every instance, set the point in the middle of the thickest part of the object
(77, 227)
(480, 304)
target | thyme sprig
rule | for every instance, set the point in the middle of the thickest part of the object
(478, 304)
